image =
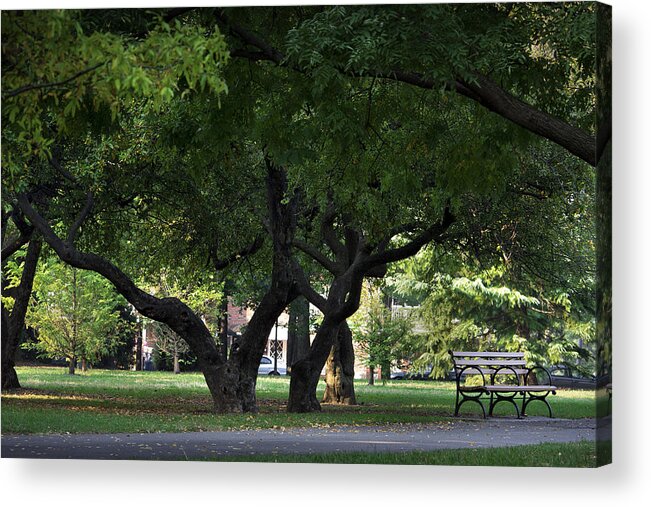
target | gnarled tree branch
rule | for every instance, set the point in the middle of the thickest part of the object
(83, 214)
(315, 254)
(481, 90)
(432, 233)
(220, 264)
(39, 86)
(171, 311)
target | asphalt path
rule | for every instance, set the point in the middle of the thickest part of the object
(457, 434)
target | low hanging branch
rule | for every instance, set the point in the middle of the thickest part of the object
(171, 311)
(56, 84)
(11, 246)
(433, 233)
(83, 214)
(481, 90)
(220, 264)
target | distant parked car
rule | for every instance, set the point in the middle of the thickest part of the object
(401, 375)
(420, 375)
(267, 367)
(566, 376)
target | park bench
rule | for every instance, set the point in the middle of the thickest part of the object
(504, 377)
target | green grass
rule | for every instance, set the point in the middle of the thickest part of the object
(103, 401)
(575, 455)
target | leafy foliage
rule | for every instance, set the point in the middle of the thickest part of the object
(530, 48)
(76, 313)
(60, 68)
(377, 332)
(486, 312)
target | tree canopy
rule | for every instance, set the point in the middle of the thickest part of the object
(299, 150)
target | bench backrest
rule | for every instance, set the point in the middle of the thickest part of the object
(488, 363)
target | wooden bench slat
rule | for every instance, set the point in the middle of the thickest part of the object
(486, 354)
(514, 388)
(471, 388)
(489, 362)
(489, 371)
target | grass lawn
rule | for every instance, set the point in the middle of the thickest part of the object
(105, 401)
(574, 455)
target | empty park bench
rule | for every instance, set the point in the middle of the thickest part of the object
(503, 376)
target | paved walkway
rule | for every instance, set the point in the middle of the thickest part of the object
(457, 434)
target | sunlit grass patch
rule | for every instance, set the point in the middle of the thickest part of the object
(574, 455)
(125, 401)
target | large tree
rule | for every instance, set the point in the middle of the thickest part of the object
(232, 381)
(66, 71)
(532, 64)
(107, 46)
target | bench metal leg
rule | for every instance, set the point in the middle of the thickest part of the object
(532, 397)
(499, 398)
(468, 398)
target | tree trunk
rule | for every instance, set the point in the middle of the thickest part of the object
(9, 378)
(307, 371)
(302, 387)
(298, 332)
(177, 367)
(235, 380)
(340, 370)
(139, 348)
(10, 342)
(84, 365)
(13, 323)
(371, 375)
(72, 363)
(241, 369)
(223, 323)
(342, 302)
